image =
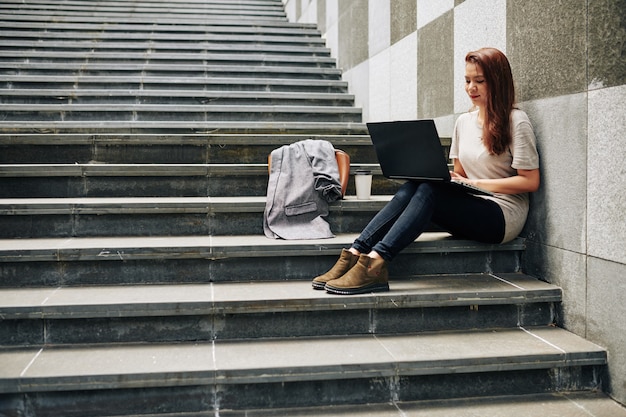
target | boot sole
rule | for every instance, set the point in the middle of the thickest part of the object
(361, 290)
(318, 285)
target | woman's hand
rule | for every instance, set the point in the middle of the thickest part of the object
(456, 177)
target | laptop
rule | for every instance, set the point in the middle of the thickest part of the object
(411, 150)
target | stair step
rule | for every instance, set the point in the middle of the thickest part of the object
(147, 180)
(91, 217)
(201, 259)
(129, 12)
(357, 139)
(159, 112)
(124, 127)
(251, 58)
(152, 28)
(155, 96)
(219, 34)
(225, 311)
(270, 297)
(85, 82)
(158, 69)
(173, 12)
(570, 404)
(29, 98)
(168, 148)
(157, 19)
(282, 372)
(215, 247)
(88, 46)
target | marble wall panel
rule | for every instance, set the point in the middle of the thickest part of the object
(379, 26)
(606, 311)
(558, 210)
(321, 15)
(379, 90)
(358, 79)
(403, 79)
(549, 60)
(353, 32)
(403, 19)
(435, 68)
(607, 37)
(567, 270)
(332, 28)
(428, 10)
(606, 185)
(290, 10)
(477, 24)
(332, 12)
(308, 11)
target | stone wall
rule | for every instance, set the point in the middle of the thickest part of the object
(404, 60)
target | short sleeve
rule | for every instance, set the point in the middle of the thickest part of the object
(523, 148)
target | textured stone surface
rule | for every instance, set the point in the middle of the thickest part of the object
(403, 82)
(549, 60)
(559, 209)
(379, 28)
(568, 270)
(321, 15)
(606, 311)
(403, 19)
(428, 10)
(292, 359)
(353, 32)
(607, 35)
(606, 178)
(477, 24)
(435, 77)
(379, 90)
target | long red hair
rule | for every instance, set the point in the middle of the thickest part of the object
(500, 100)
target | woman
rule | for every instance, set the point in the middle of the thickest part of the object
(493, 147)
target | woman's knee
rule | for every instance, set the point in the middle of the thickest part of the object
(410, 188)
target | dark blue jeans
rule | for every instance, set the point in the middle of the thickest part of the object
(416, 204)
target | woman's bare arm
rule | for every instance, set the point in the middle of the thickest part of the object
(524, 182)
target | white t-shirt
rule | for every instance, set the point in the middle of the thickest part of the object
(468, 148)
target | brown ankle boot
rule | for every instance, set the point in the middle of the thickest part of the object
(346, 261)
(368, 275)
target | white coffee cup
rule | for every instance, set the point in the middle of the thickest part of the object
(363, 182)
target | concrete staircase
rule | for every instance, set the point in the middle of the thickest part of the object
(134, 276)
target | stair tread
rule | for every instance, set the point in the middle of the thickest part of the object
(209, 247)
(76, 34)
(570, 404)
(262, 297)
(221, 26)
(156, 66)
(148, 79)
(293, 359)
(150, 44)
(192, 139)
(129, 22)
(140, 170)
(179, 108)
(111, 205)
(212, 126)
(173, 16)
(157, 55)
(108, 93)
